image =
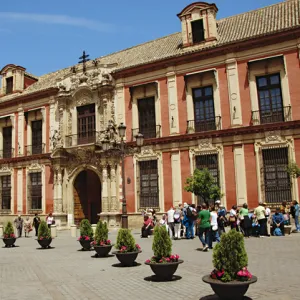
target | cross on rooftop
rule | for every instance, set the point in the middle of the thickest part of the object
(83, 60)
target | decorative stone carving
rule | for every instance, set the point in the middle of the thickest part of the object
(273, 136)
(56, 140)
(205, 144)
(35, 167)
(147, 153)
(83, 97)
(6, 170)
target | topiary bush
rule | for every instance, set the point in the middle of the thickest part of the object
(162, 244)
(230, 256)
(9, 232)
(44, 233)
(101, 234)
(126, 242)
(86, 230)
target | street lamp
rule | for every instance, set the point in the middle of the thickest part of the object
(106, 145)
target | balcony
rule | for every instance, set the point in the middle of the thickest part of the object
(34, 149)
(283, 114)
(7, 153)
(148, 133)
(204, 125)
(81, 139)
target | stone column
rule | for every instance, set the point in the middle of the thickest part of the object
(105, 206)
(59, 199)
(113, 189)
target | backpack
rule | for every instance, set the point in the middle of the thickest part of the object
(277, 232)
(189, 213)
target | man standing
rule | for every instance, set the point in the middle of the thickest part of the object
(295, 205)
(260, 214)
(36, 223)
(19, 225)
(204, 227)
(170, 214)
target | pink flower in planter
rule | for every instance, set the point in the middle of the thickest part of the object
(87, 238)
(148, 261)
(160, 260)
(138, 246)
(108, 242)
(168, 259)
(79, 238)
(101, 243)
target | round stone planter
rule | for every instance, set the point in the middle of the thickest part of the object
(102, 251)
(165, 271)
(10, 242)
(86, 245)
(234, 290)
(127, 259)
(45, 243)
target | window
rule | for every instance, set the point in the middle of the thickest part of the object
(86, 125)
(9, 85)
(204, 110)
(35, 191)
(5, 192)
(37, 137)
(270, 99)
(147, 123)
(276, 179)
(198, 31)
(7, 142)
(149, 197)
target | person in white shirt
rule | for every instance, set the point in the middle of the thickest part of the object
(170, 214)
(177, 223)
(214, 227)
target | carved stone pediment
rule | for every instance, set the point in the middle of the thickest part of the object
(273, 136)
(35, 167)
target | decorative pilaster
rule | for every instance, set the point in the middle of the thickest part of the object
(59, 199)
(113, 190)
(20, 149)
(105, 205)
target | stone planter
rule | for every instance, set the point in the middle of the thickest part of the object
(127, 259)
(86, 245)
(102, 251)
(10, 242)
(45, 243)
(164, 271)
(234, 290)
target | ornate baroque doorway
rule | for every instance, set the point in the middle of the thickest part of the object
(87, 197)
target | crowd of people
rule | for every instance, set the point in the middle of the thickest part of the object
(209, 222)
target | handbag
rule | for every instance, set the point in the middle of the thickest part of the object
(232, 219)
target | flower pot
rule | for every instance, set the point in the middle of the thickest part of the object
(234, 290)
(9, 242)
(164, 271)
(102, 251)
(45, 243)
(86, 245)
(127, 259)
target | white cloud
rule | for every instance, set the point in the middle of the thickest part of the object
(57, 19)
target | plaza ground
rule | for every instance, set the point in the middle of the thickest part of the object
(66, 273)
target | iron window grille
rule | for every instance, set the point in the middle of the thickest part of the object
(86, 127)
(6, 192)
(35, 191)
(147, 122)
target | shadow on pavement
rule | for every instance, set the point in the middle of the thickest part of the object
(49, 248)
(215, 297)
(154, 278)
(15, 246)
(119, 265)
(96, 256)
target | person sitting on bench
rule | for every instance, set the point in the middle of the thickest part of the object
(278, 221)
(147, 227)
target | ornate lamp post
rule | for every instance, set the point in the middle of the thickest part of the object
(106, 145)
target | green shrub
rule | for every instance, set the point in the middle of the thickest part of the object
(101, 234)
(162, 244)
(86, 229)
(9, 231)
(126, 242)
(230, 255)
(44, 232)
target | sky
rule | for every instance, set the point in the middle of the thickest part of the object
(45, 36)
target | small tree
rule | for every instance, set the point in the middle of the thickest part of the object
(203, 184)
(44, 232)
(293, 170)
(230, 255)
(86, 229)
(162, 244)
(9, 231)
(125, 241)
(101, 234)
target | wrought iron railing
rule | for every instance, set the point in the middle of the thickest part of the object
(7, 153)
(83, 138)
(204, 125)
(283, 114)
(148, 133)
(34, 149)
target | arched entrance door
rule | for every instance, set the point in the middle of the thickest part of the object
(87, 197)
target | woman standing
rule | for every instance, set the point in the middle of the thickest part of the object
(36, 223)
(27, 227)
(50, 220)
(233, 218)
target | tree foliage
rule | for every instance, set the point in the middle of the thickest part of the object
(101, 234)
(126, 239)
(9, 229)
(86, 229)
(293, 170)
(44, 232)
(162, 244)
(203, 184)
(230, 255)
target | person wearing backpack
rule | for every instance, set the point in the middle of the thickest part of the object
(177, 223)
(188, 221)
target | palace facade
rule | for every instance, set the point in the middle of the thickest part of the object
(220, 94)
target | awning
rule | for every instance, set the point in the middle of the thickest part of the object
(131, 88)
(200, 73)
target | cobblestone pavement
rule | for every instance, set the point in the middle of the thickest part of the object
(66, 273)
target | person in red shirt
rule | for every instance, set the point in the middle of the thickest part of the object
(147, 226)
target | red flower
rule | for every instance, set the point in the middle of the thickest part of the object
(87, 238)
(108, 242)
(148, 261)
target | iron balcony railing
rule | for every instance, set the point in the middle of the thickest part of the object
(7, 153)
(204, 125)
(83, 138)
(283, 114)
(148, 133)
(34, 149)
